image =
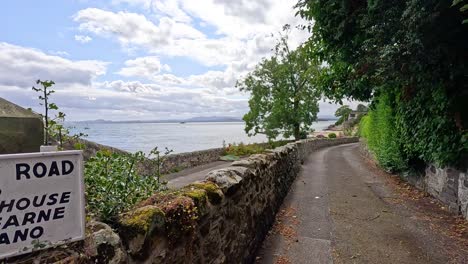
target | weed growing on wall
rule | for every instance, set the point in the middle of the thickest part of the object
(113, 184)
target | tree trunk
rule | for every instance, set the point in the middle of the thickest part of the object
(296, 124)
(297, 131)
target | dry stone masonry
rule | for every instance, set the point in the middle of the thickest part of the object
(220, 220)
(449, 184)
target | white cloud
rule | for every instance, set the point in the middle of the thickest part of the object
(21, 67)
(59, 53)
(172, 9)
(146, 67)
(83, 39)
(239, 38)
(243, 19)
(80, 96)
(242, 37)
(134, 29)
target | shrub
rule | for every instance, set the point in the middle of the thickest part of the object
(113, 184)
(363, 129)
(379, 130)
(332, 135)
(242, 149)
(279, 143)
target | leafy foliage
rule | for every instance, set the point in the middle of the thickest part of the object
(283, 98)
(332, 135)
(44, 96)
(362, 108)
(410, 52)
(379, 130)
(343, 113)
(241, 149)
(54, 129)
(113, 184)
(463, 5)
(156, 159)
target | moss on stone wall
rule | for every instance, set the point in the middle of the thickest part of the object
(214, 193)
(142, 219)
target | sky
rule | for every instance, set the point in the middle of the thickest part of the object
(140, 59)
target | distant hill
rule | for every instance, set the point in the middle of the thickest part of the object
(193, 120)
(189, 120)
(213, 119)
(327, 118)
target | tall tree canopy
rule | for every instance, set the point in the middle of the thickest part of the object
(343, 113)
(283, 98)
(361, 108)
(412, 52)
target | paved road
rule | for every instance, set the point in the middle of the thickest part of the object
(190, 175)
(340, 210)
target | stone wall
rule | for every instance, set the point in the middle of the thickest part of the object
(221, 220)
(449, 185)
(179, 161)
(90, 148)
(191, 159)
(173, 162)
(21, 130)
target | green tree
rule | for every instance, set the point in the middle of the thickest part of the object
(410, 53)
(361, 108)
(463, 5)
(343, 114)
(283, 98)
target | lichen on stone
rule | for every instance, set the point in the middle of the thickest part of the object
(213, 192)
(143, 218)
(199, 197)
(228, 178)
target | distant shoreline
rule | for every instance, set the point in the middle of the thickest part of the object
(172, 121)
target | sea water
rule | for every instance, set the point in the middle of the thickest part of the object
(179, 137)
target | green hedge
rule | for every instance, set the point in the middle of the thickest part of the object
(379, 129)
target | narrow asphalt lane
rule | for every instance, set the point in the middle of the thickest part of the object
(341, 210)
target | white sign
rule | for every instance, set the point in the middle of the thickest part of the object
(41, 201)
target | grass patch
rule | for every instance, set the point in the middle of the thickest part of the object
(242, 149)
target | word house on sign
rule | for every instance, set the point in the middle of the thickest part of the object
(41, 201)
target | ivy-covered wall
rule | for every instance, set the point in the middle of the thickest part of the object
(409, 59)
